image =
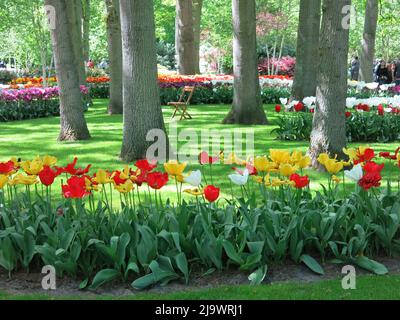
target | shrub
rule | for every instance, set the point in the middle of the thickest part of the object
(7, 76)
(166, 55)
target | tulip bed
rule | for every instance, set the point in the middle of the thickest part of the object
(371, 126)
(145, 239)
(32, 103)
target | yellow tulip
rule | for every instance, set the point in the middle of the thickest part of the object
(175, 169)
(194, 192)
(352, 153)
(278, 182)
(287, 170)
(33, 167)
(90, 186)
(126, 187)
(262, 164)
(49, 161)
(333, 166)
(258, 179)
(103, 177)
(20, 179)
(126, 173)
(279, 156)
(3, 181)
(296, 156)
(322, 158)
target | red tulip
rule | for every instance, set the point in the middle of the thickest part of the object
(211, 193)
(368, 155)
(348, 114)
(70, 168)
(6, 167)
(373, 167)
(278, 108)
(145, 166)
(117, 178)
(157, 180)
(381, 110)
(75, 188)
(370, 180)
(389, 156)
(47, 176)
(298, 107)
(301, 182)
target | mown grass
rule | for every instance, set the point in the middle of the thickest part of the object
(367, 288)
(27, 139)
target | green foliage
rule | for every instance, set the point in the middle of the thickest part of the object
(166, 55)
(7, 76)
(150, 245)
(21, 110)
(294, 127)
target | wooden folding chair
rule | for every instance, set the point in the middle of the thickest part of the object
(181, 107)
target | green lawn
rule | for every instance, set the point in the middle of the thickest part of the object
(367, 287)
(27, 139)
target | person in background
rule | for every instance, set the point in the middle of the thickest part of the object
(396, 73)
(382, 73)
(90, 64)
(355, 68)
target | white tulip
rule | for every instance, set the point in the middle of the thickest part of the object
(194, 179)
(284, 101)
(355, 174)
(240, 179)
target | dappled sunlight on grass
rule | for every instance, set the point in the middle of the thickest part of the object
(27, 139)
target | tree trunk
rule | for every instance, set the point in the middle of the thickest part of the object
(329, 127)
(368, 43)
(142, 106)
(197, 9)
(86, 30)
(184, 38)
(73, 124)
(115, 56)
(247, 105)
(74, 13)
(305, 79)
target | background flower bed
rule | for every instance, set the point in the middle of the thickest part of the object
(33, 103)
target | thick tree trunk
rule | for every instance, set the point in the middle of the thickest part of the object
(329, 128)
(74, 13)
(305, 79)
(86, 30)
(247, 105)
(197, 9)
(73, 124)
(184, 38)
(368, 43)
(142, 106)
(115, 56)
